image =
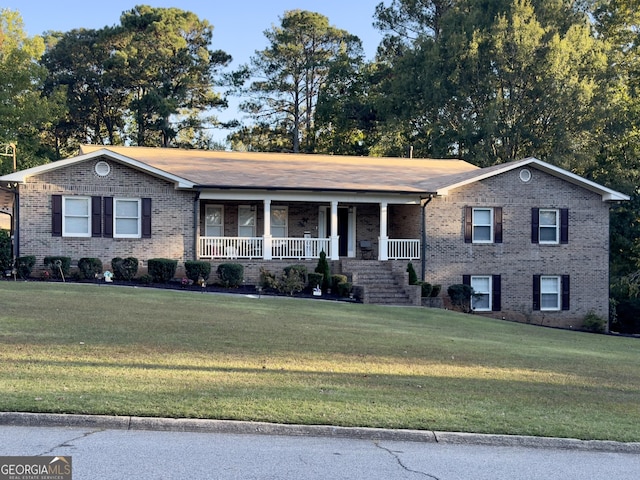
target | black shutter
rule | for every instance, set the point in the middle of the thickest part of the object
(108, 217)
(564, 225)
(536, 292)
(566, 305)
(96, 216)
(497, 225)
(535, 225)
(56, 215)
(468, 224)
(466, 280)
(146, 218)
(496, 305)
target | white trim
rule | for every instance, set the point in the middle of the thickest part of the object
(557, 293)
(21, 176)
(65, 199)
(284, 208)
(489, 292)
(606, 193)
(541, 226)
(138, 233)
(490, 224)
(208, 207)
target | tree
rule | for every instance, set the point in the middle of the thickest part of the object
(24, 113)
(285, 79)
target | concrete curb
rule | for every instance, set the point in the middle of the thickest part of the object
(105, 422)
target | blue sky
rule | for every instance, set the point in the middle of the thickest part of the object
(238, 24)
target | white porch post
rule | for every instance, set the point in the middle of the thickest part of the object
(383, 251)
(267, 253)
(335, 244)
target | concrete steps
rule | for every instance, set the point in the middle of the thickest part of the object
(381, 283)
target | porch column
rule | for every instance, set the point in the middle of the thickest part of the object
(335, 244)
(383, 239)
(267, 252)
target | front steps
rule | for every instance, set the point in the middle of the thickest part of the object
(382, 283)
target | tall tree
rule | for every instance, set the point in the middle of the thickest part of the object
(24, 113)
(285, 79)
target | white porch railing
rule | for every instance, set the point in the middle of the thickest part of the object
(253, 247)
(403, 249)
(231, 247)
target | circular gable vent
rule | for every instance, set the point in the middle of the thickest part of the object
(525, 175)
(102, 168)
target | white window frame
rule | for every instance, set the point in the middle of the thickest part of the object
(137, 218)
(285, 209)
(545, 283)
(556, 225)
(488, 293)
(207, 225)
(252, 210)
(474, 224)
(66, 216)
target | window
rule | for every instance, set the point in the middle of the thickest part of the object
(76, 217)
(214, 221)
(483, 225)
(279, 222)
(107, 217)
(126, 220)
(550, 226)
(481, 299)
(551, 292)
(487, 292)
(246, 221)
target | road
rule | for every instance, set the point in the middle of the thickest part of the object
(116, 454)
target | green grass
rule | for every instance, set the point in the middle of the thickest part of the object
(135, 351)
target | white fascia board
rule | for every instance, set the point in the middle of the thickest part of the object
(309, 197)
(606, 193)
(21, 176)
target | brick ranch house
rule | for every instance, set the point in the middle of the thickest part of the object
(530, 238)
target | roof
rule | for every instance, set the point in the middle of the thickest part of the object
(285, 171)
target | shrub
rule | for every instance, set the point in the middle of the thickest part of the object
(267, 279)
(460, 296)
(88, 268)
(292, 281)
(301, 270)
(6, 260)
(627, 316)
(25, 265)
(413, 276)
(427, 289)
(196, 269)
(323, 268)
(343, 289)
(594, 323)
(162, 270)
(57, 266)
(315, 279)
(124, 268)
(231, 274)
(435, 290)
(146, 279)
(336, 279)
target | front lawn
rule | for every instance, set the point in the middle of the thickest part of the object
(104, 349)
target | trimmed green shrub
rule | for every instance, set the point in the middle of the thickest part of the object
(162, 270)
(146, 279)
(6, 260)
(460, 296)
(343, 289)
(231, 274)
(292, 281)
(323, 268)
(427, 289)
(315, 280)
(124, 269)
(54, 264)
(435, 290)
(88, 268)
(25, 265)
(594, 323)
(267, 279)
(413, 276)
(337, 279)
(196, 269)
(301, 271)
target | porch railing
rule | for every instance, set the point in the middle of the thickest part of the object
(253, 247)
(403, 249)
(231, 247)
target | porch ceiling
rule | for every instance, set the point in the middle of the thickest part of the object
(216, 169)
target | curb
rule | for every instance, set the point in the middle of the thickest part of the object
(104, 422)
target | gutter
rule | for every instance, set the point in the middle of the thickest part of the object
(423, 254)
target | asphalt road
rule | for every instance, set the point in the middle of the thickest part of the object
(117, 454)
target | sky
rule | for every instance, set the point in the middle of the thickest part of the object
(238, 25)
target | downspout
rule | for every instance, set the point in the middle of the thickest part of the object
(423, 204)
(196, 224)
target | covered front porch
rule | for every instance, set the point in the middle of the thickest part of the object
(301, 226)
